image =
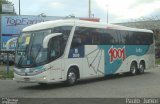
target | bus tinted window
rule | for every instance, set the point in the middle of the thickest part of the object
(124, 36)
(65, 30)
(112, 36)
(129, 38)
(147, 38)
(82, 36)
(98, 36)
(135, 38)
(105, 37)
(141, 38)
(91, 36)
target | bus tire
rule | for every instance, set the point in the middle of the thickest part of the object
(71, 77)
(141, 68)
(133, 68)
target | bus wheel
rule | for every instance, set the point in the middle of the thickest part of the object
(141, 68)
(133, 69)
(71, 77)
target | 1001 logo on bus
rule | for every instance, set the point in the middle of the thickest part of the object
(117, 53)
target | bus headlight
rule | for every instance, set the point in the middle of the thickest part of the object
(44, 77)
(29, 71)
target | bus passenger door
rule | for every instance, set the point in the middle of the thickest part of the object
(55, 52)
(56, 70)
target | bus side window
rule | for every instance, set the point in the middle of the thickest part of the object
(55, 48)
(76, 42)
(129, 38)
(81, 37)
(123, 37)
(114, 39)
(65, 30)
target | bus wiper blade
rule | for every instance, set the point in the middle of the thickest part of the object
(20, 60)
(37, 53)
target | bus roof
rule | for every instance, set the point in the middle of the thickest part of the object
(72, 22)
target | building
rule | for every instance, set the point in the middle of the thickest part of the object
(11, 26)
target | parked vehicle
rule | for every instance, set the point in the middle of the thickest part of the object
(4, 58)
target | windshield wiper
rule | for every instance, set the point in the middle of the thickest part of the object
(22, 54)
(20, 60)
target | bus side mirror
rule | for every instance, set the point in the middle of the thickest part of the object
(48, 37)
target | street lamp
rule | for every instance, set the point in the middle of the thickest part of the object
(19, 7)
(89, 9)
(107, 13)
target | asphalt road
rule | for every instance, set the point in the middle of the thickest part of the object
(145, 85)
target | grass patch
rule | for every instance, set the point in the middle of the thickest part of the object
(158, 61)
(3, 74)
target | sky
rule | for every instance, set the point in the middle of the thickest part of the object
(118, 10)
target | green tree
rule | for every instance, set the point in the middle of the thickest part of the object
(5, 2)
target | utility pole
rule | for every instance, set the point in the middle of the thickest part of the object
(89, 9)
(19, 7)
(107, 13)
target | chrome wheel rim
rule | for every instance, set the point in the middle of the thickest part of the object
(133, 69)
(71, 77)
(141, 68)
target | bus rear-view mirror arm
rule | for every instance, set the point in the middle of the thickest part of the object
(48, 37)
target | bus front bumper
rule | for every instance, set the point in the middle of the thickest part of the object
(39, 78)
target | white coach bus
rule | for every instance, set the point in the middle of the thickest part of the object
(67, 50)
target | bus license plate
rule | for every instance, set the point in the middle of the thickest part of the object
(26, 79)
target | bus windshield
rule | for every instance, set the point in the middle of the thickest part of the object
(30, 51)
